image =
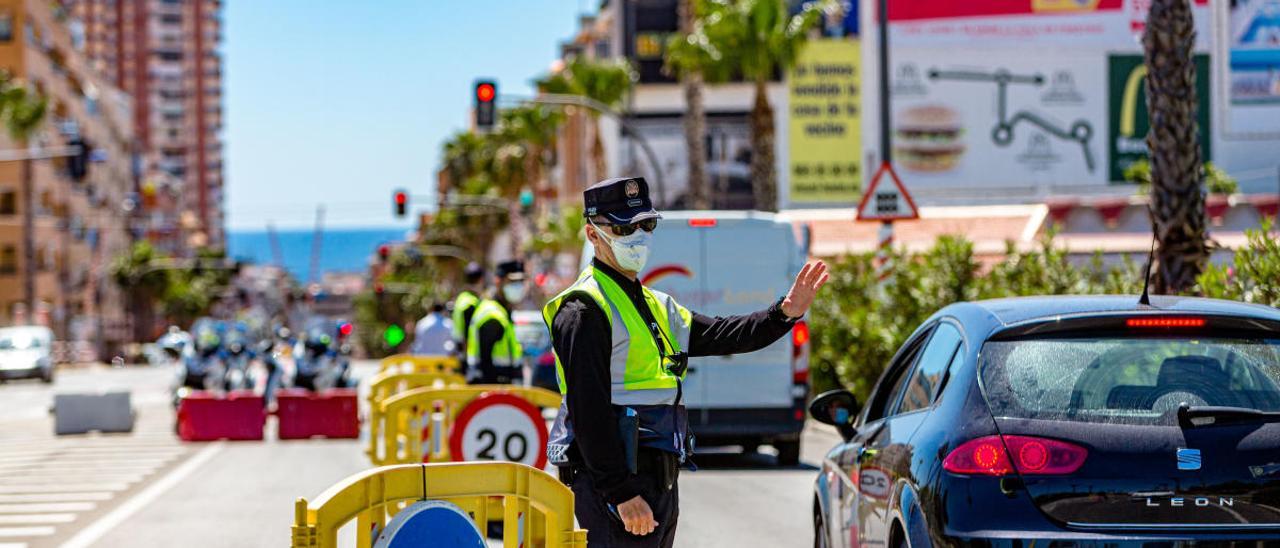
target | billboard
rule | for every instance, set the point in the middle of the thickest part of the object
(1018, 94)
(1128, 122)
(825, 102)
(997, 117)
(1253, 72)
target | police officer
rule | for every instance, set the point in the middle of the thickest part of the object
(493, 353)
(621, 351)
(464, 305)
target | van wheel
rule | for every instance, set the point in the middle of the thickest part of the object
(47, 376)
(788, 452)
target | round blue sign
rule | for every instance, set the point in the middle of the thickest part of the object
(431, 523)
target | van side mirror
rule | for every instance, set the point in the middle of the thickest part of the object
(838, 408)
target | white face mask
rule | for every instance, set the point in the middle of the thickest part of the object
(630, 251)
(513, 292)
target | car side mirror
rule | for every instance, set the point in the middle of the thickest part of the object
(838, 408)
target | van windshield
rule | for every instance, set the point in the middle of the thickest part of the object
(1128, 380)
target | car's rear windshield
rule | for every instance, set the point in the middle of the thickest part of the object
(1128, 380)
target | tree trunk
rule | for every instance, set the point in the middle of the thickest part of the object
(695, 123)
(1177, 194)
(28, 239)
(597, 152)
(764, 183)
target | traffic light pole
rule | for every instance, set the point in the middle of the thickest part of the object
(627, 129)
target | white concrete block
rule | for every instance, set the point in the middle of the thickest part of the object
(85, 412)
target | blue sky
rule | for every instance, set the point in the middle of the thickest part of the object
(341, 101)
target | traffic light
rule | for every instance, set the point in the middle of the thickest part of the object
(78, 164)
(486, 96)
(401, 202)
(384, 252)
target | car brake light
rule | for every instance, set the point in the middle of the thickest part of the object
(1165, 322)
(799, 344)
(990, 456)
(702, 223)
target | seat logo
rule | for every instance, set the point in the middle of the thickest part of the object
(1188, 459)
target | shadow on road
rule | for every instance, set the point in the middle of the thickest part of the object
(730, 459)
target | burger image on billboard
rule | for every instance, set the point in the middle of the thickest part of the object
(927, 139)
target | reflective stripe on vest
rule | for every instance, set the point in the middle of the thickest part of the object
(507, 351)
(465, 301)
(636, 376)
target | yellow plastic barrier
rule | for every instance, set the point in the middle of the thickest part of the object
(411, 363)
(391, 382)
(374, 496)
(402, 433)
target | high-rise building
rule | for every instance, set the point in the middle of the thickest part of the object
(165, 54)
(59, 231)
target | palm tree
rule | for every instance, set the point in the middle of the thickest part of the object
(753, 39)
(606, 82)
(695, 115)
(1177, 198)
(23, 114)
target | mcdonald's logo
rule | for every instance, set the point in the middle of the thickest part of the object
(1129, 100)
(1128, 122)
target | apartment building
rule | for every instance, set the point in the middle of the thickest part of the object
(78, 224)
(164, 53)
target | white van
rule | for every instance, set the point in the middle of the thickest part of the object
(721, 263)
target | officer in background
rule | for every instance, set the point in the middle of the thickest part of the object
(464, 305)
(494, 356)
(621, 350)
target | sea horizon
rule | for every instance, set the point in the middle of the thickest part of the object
(342, 249)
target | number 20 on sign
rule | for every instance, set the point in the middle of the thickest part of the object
(502, 427)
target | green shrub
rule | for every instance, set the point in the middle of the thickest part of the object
(1254, 275)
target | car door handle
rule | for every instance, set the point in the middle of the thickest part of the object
(691, 370)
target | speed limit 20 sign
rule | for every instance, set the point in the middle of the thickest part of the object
(502, 427)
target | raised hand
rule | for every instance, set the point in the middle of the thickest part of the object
(810, 279)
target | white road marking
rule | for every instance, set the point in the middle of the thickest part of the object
(105, 524)
(14, 532)
(35, 519)
(13, 545)
(55, 497)
(43, 507)
(62, 488)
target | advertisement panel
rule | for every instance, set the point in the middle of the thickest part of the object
(1128, 122)
(997, 117)
(1114, 24)
(1253, 73)
(825, 100)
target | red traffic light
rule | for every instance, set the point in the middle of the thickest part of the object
(345, 329)
(485, 92)
(401, 200)
(384, 251)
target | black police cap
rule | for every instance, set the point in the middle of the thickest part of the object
(622, 200)
(508, 268)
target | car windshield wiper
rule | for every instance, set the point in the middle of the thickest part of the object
(1190, 416)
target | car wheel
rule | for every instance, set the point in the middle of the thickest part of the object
(47, 376)
(819, 529)
(788, 452)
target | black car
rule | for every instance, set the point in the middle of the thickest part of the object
(1063, 421)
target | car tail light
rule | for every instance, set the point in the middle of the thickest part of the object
(799, 353)
(702, 223)
(1001, 455)
(1165, 322)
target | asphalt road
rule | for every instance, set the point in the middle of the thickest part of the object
(149, 489)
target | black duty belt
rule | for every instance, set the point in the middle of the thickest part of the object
(662, 466)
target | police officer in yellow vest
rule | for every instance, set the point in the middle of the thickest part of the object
(464, 305)
(494, 356)
(621, 350)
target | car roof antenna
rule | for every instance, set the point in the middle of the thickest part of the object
(1145, 299)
